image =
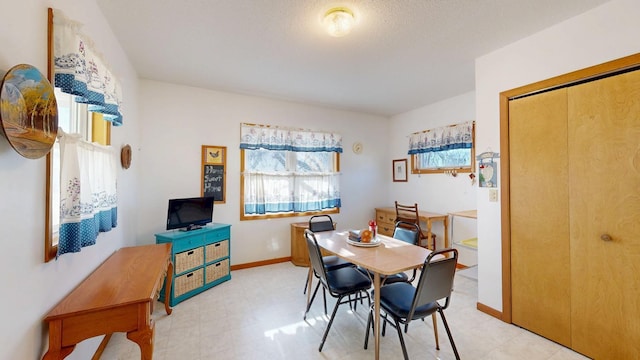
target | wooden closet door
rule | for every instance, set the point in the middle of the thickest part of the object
(539, 201)
(604, 173)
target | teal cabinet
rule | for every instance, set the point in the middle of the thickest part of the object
(200, 260)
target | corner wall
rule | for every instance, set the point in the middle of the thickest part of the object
(30, 288)
(605, 33)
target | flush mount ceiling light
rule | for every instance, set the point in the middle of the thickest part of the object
(339, 21)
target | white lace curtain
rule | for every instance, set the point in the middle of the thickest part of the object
(290, 190)
(459, 136)
(80, 70)
(88, 198)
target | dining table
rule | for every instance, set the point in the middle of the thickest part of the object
(384, 256)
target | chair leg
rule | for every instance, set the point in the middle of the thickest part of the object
(434, 319)
(306, 283)
(333, 315)
(370, 326)
(311, 301)
(399, 331)
(446, 327)
(324, 297)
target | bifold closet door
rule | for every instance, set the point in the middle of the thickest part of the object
(539, 201)
(604, 177)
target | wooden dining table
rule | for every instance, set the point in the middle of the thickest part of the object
(390, 257)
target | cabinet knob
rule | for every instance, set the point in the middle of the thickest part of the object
(606, 237)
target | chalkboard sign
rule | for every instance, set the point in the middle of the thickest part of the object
(214, 161)
(213, 182)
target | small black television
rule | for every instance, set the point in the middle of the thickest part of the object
(189, 213)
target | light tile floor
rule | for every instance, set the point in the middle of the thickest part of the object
(258, 315)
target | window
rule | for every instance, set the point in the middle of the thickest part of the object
(295, 172)
(444, 149)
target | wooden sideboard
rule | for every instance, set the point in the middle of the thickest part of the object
(386, 217)
(117, 297)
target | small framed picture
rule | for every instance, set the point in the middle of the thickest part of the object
(400, 170)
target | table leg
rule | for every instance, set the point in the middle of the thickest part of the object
(56, 350)
(144, 339)
(167, 288)
(376, 313)
(429, 235)
(446, 232)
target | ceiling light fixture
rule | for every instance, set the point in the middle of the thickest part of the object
(339, 21)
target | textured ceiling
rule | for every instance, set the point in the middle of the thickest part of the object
(402, 54)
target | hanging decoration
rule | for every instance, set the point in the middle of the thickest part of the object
(488, 169)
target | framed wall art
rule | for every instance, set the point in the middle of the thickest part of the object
(214, 172)
(400, 170)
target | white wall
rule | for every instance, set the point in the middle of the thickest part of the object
(178, 120)
(30, 288)
(435, 192)
(602, 34)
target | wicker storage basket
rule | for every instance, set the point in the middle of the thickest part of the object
(217, 250)
(188, 260)
(217, 270)
(187, 282)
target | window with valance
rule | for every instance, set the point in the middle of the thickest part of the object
(288, 172)
(443, 149)
(81, 193)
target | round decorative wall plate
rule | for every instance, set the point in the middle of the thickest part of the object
(125, 156)
(28, 111)
(357, 147)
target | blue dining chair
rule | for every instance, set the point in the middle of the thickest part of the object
(319, 223)
(403, 302)
(340, 283)
(409, 233)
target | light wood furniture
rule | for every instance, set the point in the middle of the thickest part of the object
(573, 170)
(469, 214)
(201, 259)
(299, 250)
(117, 297)
(386, 217)
(391, 257)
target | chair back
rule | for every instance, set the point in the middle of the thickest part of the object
(318, 223)
(407, 232)
(315, 256)
(436, 279)
(407, 213)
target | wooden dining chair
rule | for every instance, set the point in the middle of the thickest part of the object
(340, 283)
(403, 302)
(409, 213)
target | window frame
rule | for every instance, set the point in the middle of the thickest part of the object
(244, 217)
(449, 169)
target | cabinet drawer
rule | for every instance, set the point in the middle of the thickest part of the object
(187, 243)
(188, 260)
(385, 217)
(220, 234)
(187, 282)
(217, 270)
(386, 228)
(216, 251)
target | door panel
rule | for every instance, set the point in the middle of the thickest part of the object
(539, 200)
(604, 173)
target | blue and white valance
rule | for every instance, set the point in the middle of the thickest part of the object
(81, 71)
(459, 136)
(275, 138)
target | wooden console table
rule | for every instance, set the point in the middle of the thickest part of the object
(386, 218)
(117, 297)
